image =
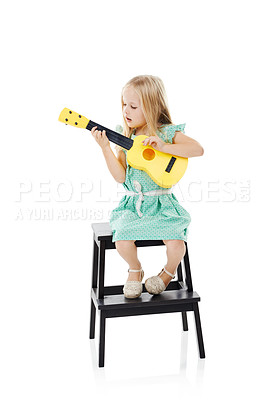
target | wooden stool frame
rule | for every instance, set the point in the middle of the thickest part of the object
(110, 302)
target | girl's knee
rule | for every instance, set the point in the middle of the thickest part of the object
(176, 245)
(123, 244)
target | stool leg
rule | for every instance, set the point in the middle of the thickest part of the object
(102, 339)
(93, 285)
(184, 321)
(184, 314)
(101, 264)
(199, 330)
(92, 320)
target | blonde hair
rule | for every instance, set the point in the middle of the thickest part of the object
(153, 100)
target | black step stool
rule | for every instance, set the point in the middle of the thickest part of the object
(110, 301)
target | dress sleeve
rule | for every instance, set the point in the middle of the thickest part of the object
(170, 131)
(119, 129)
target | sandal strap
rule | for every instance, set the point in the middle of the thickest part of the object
(169, 273)
(134, 270)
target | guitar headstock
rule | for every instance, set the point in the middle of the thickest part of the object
(70, 117)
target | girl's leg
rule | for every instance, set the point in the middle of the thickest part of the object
(128, 251)
(176, 250)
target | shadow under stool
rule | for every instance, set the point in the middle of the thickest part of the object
(110, 302)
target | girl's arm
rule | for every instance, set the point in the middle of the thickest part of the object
(183, 146)
(116, 167)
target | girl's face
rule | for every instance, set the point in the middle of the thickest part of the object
(132, 110)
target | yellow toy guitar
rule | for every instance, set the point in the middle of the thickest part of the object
(165, 169)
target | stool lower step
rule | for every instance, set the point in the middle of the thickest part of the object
(167, 298)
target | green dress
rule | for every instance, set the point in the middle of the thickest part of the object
(149, 217)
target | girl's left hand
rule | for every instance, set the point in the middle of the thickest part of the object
(155, 142)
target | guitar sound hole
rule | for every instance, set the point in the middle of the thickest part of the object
(148, 154)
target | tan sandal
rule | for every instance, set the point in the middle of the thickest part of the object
(133, 289)
(155, 284)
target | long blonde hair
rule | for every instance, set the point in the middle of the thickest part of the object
(153, 99)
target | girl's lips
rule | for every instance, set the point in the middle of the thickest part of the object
(128, 119)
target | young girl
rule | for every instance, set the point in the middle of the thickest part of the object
(154, 216)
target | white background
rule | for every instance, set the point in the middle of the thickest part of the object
(56, 54)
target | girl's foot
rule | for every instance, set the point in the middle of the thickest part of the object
(156, 285)
(165, 277)
(133, 287)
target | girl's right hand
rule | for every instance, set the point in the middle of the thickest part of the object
(100, 137)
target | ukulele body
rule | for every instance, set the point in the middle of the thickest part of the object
(155, 163)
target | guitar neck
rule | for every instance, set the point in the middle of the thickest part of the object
(113, 136)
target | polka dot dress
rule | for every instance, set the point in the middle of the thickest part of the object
(159, 217)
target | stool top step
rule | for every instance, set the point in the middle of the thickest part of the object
(102, 230)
